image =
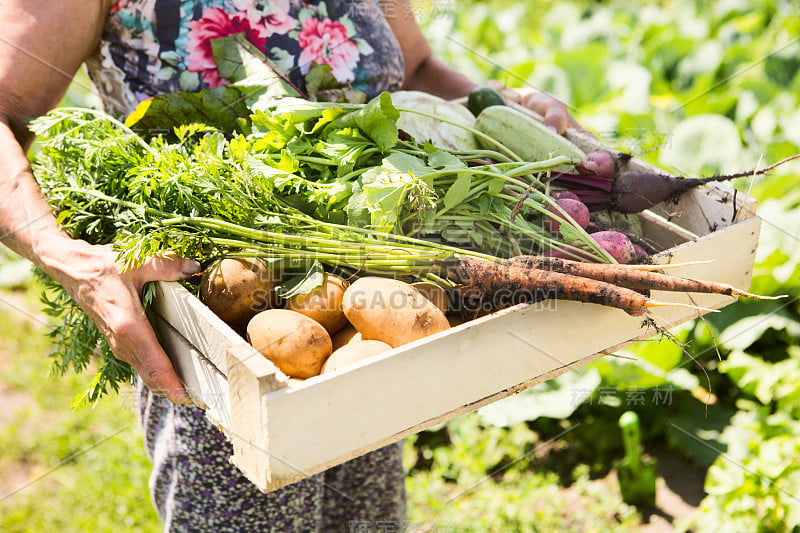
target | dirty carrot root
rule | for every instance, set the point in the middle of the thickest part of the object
(631, 278)
(492, 279)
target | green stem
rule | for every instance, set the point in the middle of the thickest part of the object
(510, 153)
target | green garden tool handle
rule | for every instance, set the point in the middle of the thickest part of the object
(629, 424)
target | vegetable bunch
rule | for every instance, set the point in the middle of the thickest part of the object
(304, 185)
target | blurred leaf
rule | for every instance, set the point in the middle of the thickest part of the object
(698, 432)
(637, 373)
(743, 333)
(703, 143)
(586, 70)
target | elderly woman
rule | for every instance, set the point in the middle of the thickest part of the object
(134, 49)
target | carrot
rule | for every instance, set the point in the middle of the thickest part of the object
(492, 278)
(624, 276)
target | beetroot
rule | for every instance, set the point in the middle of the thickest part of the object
(639, 254)
(633, 192)
(601, 163)
(617, 244)
(558, 195)
(574, 208)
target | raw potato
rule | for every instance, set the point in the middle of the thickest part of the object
(295, 343)
(352, 352)
(323, 304)
(235, 289)
(391, 311)
(434, 293)
(346, 335)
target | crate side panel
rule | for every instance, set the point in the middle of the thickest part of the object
(251, 378)
(196, 322)
(204, 384)
(292, 473)
(708, 209)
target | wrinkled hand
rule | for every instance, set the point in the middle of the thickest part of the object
(113, 301)
(553, 110)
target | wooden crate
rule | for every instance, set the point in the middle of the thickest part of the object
(283, 433)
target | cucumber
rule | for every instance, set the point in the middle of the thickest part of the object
(482, 97)
(524, 135)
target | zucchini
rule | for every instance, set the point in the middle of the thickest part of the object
(524, 135)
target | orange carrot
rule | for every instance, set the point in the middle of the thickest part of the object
(624, 276)
(492, 278)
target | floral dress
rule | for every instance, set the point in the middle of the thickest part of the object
(150, 47)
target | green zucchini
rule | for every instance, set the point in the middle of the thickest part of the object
(524, 135)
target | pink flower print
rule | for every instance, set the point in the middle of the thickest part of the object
(326, 42)
(273, 15)
(278, 19)
(216, 23)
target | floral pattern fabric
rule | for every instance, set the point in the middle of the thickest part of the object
(152, 47)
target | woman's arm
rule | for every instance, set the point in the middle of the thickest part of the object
(426, 73)
(42, 44)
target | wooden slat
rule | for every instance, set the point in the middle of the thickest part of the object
(196, 322)
(251, 377)
(333, 418)
(204, 383)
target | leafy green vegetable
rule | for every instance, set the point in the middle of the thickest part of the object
(277, 192)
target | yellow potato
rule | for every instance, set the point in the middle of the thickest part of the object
(323, 304)
(434, 293)
(352, 352)
(346, 335)
(296, 344)
(235, 289)
(391, 311)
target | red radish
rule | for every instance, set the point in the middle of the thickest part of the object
(574, 208)
(600, 163)
(639, 253)
(617, 244)
(558, 195)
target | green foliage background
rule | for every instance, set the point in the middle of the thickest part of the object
(695, 87)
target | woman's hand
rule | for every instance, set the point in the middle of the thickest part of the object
(554, 111)
(113, 301)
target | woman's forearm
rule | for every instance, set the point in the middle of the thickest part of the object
(435, 77)
(27, 225)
